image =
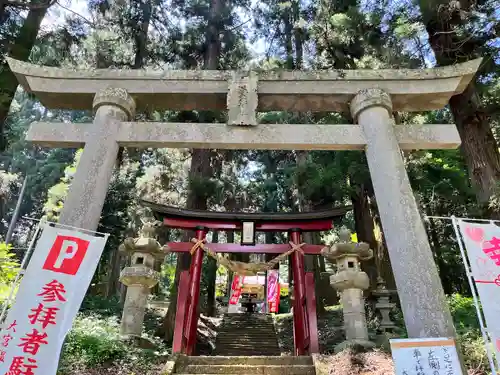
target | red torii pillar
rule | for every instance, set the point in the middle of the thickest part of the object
(304, 305)
(188, 296)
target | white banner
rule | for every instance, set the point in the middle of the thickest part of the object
(482, 244)
(48, 299)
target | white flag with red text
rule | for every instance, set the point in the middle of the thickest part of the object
(273, 290)
(482, 243)
(48, 299)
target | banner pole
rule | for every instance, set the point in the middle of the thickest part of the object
(487, 341)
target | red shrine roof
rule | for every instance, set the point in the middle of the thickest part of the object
(188, 219)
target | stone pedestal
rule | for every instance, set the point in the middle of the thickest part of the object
(83, 205)
(139, 278)
(350, 281)
(423, 302)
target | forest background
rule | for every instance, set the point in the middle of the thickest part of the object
(261, 35)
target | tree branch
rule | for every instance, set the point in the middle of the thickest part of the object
(25, 5)
(75, 13)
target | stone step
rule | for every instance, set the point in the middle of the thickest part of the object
(245, 323)
(248, 353)
(267, 344)
(246, 335)
(247, 343)
(256, 360)
(258, 339)
(243, 330)
(221, 350)
(248, 324)
(250, 369)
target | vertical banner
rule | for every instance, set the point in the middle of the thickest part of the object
(482, 245)
(48, 299)
(273, 294)
(235, 290)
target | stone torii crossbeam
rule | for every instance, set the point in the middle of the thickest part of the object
(370, 95)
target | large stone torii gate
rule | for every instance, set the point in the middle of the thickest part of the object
(371, 96)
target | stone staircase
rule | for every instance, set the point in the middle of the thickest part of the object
(247, 335)
(249, 365)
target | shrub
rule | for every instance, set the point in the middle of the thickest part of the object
(92, 341)
(101, 306)
(95, 344)
(464, 313)
(9, 267)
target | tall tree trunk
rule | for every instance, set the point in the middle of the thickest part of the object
(384, 266)
(363, 222)
(19, 50)
(143, 18)
(211, 280)
(328, 293)
(200, 159)
(438, 254)
(230, 239)
(114, 269)
(479, 146)
(144, 15)
(288, 26)
(480, 150)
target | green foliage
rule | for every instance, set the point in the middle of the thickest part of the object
(58, 192)
(470, 338)
(101, 306)
(92, 341)
(168, 274)
(9, 268)
(95, 342)
(464, 313)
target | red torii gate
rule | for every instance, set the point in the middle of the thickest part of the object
(305, 329)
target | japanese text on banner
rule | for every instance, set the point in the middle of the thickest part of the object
(48, 299)
(434, 356)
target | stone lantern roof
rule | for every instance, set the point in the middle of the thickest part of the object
(346, 247)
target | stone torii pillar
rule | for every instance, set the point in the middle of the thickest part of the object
(417, 279)
(83, 205)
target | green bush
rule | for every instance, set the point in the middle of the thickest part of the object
(101, 306)
(95, 344)
(464, 313)
(92, 341)
(9, 268)
(469, 333)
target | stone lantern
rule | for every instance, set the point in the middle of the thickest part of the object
(140, 277)
(384, 306)
(350, 281)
